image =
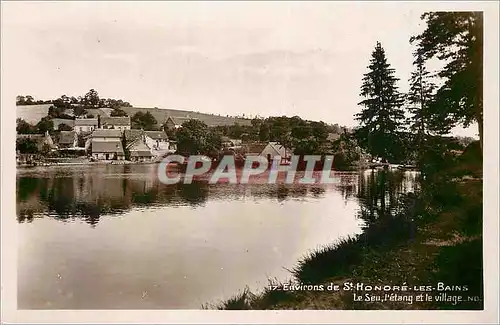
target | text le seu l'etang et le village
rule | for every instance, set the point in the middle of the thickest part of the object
(361, 292)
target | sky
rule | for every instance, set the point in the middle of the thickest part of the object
(228, 58)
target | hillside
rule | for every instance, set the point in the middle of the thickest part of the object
(210, 119)
(34, 113)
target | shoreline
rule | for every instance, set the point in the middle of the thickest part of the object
(352, 168)
(87, 163)
(377, 258)
(433, 241)
(179, 168)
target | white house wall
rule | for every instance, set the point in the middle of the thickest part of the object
(117, 127)
(269, 149)
(159, 148)
(84, 128)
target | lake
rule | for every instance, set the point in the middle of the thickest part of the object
(114, 237)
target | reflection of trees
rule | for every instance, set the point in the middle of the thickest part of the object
(347, 185)
(88, 194)
(282, 192)
(378, 193)
(26, 186)
(317, 191)
(195, 193)
(145, 197)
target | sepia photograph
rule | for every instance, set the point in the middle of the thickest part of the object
(249, 156)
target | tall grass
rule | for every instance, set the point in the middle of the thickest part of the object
(240, 301)
(329, 260)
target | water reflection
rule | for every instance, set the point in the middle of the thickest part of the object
(378, 192)
(88, 193)
(241, 234)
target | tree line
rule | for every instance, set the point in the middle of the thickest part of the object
(304, 137)
(79, 104)
(398, 126)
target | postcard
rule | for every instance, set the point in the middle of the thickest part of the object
(249, 162)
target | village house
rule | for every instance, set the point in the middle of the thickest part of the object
(139, 150)
(157, 141)
(110, 150)
(269, 150)
(107, 145)
(67, 139)
(85, 125)
(121, 123)
(104, 135)
(273, 149)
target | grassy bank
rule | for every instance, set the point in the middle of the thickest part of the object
(430, 237)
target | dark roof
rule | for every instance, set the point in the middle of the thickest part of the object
(138, 148)
(59, 121)
(107, 147)
(157, 135)
(116, 120)
(66, 137)
(106, 133)
(86, 122)
(254, 148)
(132, 134)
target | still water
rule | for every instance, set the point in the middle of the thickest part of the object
(114, 237)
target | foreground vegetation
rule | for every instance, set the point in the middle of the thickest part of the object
(421, 239)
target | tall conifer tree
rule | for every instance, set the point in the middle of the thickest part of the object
(381, 118)
(456, 38)
(420, 98)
